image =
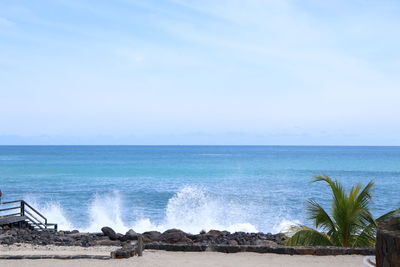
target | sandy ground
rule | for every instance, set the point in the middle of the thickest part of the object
(164, 258)
(26, 249)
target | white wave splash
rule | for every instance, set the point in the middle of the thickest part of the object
(284, 226)
(191, 209)
(53, 212)
(105, 210)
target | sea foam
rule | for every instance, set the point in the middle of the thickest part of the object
(191, 209)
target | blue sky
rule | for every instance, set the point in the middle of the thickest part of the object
(200, 72)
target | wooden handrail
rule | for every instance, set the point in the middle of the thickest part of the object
(38, 213)
(9, 202)
(13, 208)
(13, 214)
(28, 213)
(31, 215)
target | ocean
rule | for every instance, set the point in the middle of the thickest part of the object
(234, 188)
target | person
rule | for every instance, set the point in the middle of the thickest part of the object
(1, 194)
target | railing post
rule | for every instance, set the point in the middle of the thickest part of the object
(22, 208)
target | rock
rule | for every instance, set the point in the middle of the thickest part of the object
(108, 237)
(123, 253)
(269, 236)
(108, 231)
(14, 232)
(233, 242)
(212, 238)
(121, 237)
(131, 235)
(280, 238)
(66, 239)
(225, 233)
(174, 236)
(152, 236)
(214, 233)
(198, 238)
(4, 236)
(75, 235)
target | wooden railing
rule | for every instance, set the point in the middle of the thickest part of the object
(31, 215)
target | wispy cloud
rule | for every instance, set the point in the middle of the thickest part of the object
(181, 66)
(6, 22)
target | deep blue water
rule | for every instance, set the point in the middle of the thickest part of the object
(191, 187)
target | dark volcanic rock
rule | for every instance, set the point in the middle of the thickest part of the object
(174, 236)
(173, 239)
(214, 233)
(131, 235)
(233, 242)
(108, 231)
(11, 234)
(121, 237)
(152, 236)
(122, 253)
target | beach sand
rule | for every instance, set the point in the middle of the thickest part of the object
(165, 258)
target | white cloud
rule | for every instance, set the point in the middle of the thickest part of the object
(260, 67)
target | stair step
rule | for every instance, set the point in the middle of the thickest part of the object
(26, 214)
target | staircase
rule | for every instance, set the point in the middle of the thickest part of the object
(20, 213)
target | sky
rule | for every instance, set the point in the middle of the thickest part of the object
(186, 72)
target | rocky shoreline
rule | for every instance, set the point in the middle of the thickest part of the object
(171, 240)
(108, 237)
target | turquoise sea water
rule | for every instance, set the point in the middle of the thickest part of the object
(249, 188)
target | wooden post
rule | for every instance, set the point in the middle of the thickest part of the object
(140, 246)
(22, 208)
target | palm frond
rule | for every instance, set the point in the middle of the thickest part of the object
(365, 195)
(306, 236)
(366, 238)
(337, 189)
(351, 223)
(360, 217)
(387, 215)
(320, 217)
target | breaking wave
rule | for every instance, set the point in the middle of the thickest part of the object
(191, 209)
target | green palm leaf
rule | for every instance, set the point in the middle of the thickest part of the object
(387, 215)
(306, 236)
(350, 224)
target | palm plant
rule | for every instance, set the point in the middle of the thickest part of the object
(351, 224)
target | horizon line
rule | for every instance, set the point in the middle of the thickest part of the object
(186, 145)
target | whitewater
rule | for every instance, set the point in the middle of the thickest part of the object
(190, 210)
